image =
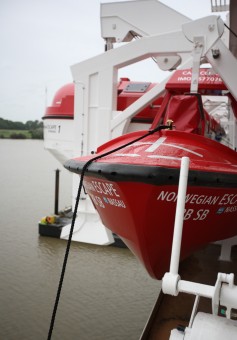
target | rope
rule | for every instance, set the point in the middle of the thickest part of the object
(85, 167)
(230, 30)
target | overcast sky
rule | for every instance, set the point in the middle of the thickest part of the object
(41, 39)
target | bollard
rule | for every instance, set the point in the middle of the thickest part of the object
(56, 199)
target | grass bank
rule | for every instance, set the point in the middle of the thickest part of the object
(15, 134)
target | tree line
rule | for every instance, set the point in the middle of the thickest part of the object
(35, 128)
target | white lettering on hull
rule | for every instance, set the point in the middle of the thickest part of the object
(224, 204)
(190, 198)
(108, 194)
(104, 188)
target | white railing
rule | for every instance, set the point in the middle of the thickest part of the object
(220, 5)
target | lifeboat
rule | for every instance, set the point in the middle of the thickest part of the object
(133, 179)
(59, 125)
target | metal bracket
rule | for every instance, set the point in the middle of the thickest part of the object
(197, 54)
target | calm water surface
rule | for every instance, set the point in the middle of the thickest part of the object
(106, 293)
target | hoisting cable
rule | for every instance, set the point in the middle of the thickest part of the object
(84, 168)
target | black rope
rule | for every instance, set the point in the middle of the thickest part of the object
(230, 30)
(86, 165)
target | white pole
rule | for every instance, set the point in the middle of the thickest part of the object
(179, 216)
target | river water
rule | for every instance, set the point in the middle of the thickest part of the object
(106, 292)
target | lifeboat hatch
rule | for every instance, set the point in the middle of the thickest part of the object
(138, 87)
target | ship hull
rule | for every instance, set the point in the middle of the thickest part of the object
(143, 216)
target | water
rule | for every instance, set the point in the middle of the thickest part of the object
(106, 293)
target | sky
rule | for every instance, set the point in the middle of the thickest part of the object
(41, 39)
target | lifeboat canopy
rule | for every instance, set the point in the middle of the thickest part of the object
(63, 104)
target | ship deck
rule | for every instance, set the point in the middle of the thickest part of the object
(173, 312)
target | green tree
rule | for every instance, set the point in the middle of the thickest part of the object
(34, 127)
(37, 133)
